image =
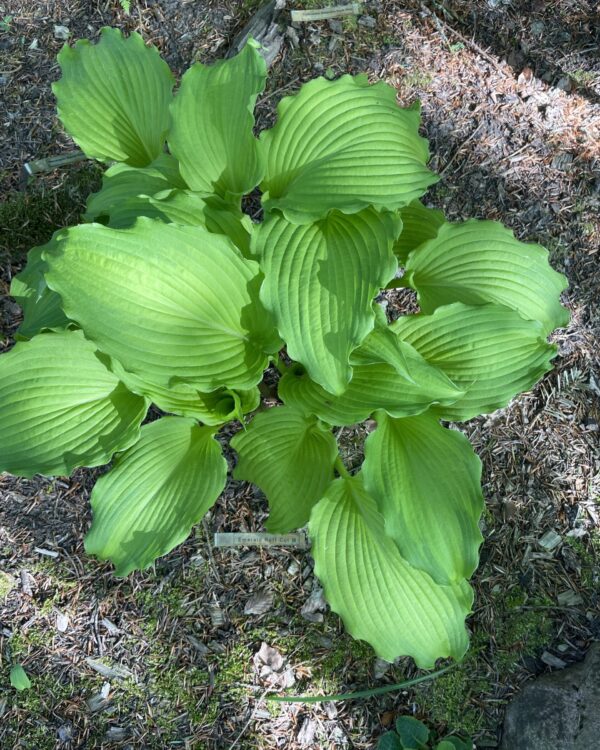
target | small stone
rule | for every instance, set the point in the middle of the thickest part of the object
(61, 32)
(335, 25)
(550, 540)
(259, 603)
(269, 656)
(62, 622)
(367, 21)
(34, 44)
(293, 568)
(292, 35)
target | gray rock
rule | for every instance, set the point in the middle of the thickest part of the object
(559, 711)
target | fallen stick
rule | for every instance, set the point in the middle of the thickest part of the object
(322, 14)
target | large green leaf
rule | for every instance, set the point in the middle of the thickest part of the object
(113, 97)
(419, 224)
(489, 351)
(61, 408)
(320, 280)
(388, 374)
(172, 304)
(426, 481)
(149, 501)
(122, 184)
(290, 457)
(481, 261)
(188, 209)
(214, 408)
(343, 144)
(382, 599)
(42, 308)
(211, 132)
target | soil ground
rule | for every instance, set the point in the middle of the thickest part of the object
(167, 658)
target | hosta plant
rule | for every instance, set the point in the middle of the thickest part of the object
(168, 294)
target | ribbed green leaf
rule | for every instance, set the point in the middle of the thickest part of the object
(343, 144)
(149, 501)
(382, 599)
(113, 98)
(490, 351)
(388, 374)
(419, 224)
(214, 408)
(481, 261)
(122, 184)
(61, 408)
(320, 280)
(290, 457)
(211, 132)
(172, 304)
(188, 209)
(42, 308)
(426, 482)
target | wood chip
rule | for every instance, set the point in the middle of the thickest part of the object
(115, 671)
(259, 603)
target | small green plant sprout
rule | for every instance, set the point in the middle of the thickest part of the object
(6, 23)
(412, 734)
(168, 294)
(18, 678)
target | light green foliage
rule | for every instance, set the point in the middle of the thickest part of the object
(19, 679)
(170, 295)
(155, 492)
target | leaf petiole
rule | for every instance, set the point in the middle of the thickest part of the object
(340, 468)
(361, 693)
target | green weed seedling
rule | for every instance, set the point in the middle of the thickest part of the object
(412, 734)
(169, 295)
